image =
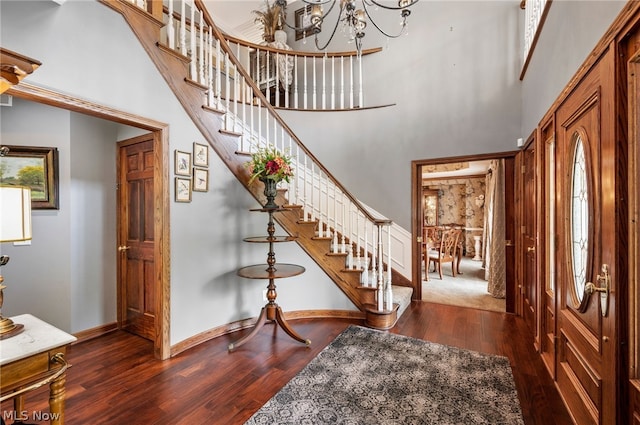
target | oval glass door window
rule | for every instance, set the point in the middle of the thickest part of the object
(579, 218)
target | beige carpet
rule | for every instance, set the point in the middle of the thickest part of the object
(466, 290)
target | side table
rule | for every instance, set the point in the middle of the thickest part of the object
(31, 359)
(270, 271)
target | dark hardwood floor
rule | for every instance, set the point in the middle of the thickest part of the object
(116, 380)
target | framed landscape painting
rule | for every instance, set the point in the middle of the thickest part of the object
(35, 168)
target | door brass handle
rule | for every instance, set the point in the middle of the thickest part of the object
(123, 248)
(605, 282)
(531, 249)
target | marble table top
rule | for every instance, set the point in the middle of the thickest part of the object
(36, 337)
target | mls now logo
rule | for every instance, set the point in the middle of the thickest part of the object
(23, 415)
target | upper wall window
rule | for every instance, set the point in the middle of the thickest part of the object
(535, 13)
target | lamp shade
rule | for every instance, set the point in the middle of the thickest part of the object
(15, 213)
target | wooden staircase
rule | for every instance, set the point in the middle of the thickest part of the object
(210, 121)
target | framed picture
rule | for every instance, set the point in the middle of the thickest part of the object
(303, 20)
(200, 180)
(200, 155)
(183, 163)
(183, 189)
(36, 168)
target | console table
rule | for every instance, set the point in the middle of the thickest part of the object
(271, 271)
(31, 359)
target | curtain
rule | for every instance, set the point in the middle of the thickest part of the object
(494, 231)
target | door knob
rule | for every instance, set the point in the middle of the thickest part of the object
(123, 248)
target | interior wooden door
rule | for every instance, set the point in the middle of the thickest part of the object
(136, 270)
(587, 362)
(530, 288)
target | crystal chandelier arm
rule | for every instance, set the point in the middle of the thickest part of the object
(318, 2)
(401, 4)
(335, 27)
(404, 15)
(311, 26)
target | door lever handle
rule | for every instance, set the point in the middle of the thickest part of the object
(531, 249)
(604, 281)
(123, 248)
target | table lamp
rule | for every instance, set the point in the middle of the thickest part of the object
(15, 226)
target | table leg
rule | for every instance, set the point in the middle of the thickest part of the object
(259, 323)
(56, 399)
(284, 325)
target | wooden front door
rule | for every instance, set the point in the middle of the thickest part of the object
(530, 281)
(586, 359)
(137, 282)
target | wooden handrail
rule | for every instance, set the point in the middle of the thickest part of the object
(299, 52)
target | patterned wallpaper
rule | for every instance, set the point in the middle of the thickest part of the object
(457, 204)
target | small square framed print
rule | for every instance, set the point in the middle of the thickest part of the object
(183, 189)
(183, 163)
(200, 180)
(200, 155)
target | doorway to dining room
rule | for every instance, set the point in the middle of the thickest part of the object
(475, 195)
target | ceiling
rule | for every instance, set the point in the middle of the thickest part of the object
(455, 169)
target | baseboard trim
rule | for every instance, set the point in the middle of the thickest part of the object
(88, 334)
(247, 323)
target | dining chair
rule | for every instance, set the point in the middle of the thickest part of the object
(446, 251)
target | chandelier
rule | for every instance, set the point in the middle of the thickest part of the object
(353, 14)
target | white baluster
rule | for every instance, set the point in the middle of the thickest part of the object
(342, 96)
(235, 97)
(243, 87)
(334, 244)
(374, 263)
(201, 53)
(360, 89)
(218, 74)
(227, 91)
(192, 34)
(268, 76)
(276, 88)
(183, 29)
(297, 173)
(380, 271)
(312, 192)
(314, 93)
(351, 88)
(388, 292)
(170, 29)
(305, 86)
(295, 81)
(324, 81)
(344, 227)
(366, 253)
(259, 143)
(210, 93)
(333, 82)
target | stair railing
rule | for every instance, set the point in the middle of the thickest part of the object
(304, 80)
(363, 235)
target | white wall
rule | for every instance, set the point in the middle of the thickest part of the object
(64, 279)
(38, 275)
(454, 84)
(570, 33)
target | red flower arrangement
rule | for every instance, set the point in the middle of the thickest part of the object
(269, 163)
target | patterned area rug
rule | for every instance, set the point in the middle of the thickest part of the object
(369, 377)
